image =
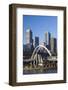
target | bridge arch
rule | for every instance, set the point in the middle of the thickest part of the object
(36, 49)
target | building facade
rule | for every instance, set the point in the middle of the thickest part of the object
(29, 39)
(47, 39)
(36, 41)
(53, 45)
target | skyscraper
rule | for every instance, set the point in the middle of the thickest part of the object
(36, 41)
(47, 39)
(53, 45)
(29, 39)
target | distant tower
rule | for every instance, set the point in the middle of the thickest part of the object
(53, 45)
(29, 39)
(47, 39)
(36, 41)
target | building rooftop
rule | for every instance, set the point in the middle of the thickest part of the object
(28, 30)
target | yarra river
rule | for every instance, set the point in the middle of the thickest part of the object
(39, 71)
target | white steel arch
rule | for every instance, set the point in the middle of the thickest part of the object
(37, 48)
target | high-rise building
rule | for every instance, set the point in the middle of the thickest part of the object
(53, 45)
(29, 39)
(47, 39)
(36, 41)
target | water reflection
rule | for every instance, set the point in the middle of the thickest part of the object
(40, 71)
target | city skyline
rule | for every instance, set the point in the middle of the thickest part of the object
(34, 22)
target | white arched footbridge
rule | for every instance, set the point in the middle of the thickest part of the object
(36, 58)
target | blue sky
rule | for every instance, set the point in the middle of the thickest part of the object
(39, 25)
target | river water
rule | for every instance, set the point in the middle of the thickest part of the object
(39, 71)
